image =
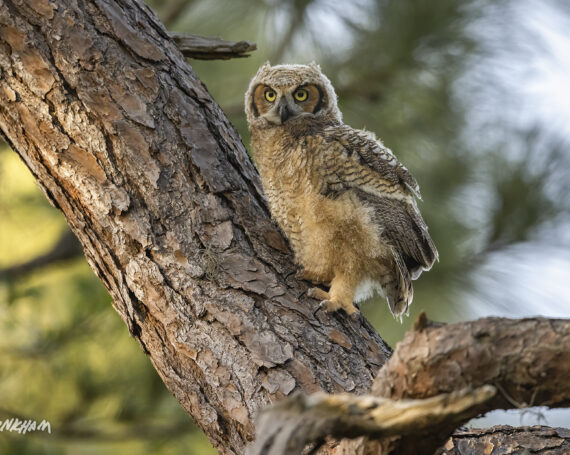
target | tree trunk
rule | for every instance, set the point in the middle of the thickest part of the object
(125, 140)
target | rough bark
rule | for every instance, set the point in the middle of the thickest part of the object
(501, 440)
(506, 440)
(527, 360)
(125, 140)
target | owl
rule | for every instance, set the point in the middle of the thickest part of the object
(346, 204)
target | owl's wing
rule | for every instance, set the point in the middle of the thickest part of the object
(356, 160)
(376, 163)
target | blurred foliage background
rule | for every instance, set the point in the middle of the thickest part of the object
(472, 96)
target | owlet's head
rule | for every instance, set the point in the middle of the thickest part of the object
(289, 93)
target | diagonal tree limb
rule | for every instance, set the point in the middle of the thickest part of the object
(156, 184)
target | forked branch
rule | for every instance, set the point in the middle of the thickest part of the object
(527, 363)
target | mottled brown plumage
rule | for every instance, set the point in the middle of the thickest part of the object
(344, 201)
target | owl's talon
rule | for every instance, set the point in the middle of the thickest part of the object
(302, 275)
(351, 311)
(330, 305)
(318, 293)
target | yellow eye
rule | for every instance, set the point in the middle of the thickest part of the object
(301, 95)
(270, 95)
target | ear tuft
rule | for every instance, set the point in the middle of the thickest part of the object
(315, 65)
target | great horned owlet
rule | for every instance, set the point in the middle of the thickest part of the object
(347, 205)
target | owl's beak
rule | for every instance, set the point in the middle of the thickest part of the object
(284, 110)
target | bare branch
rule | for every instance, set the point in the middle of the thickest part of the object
(211, 48)
(527, 359)
(287, 427)
(66, 247)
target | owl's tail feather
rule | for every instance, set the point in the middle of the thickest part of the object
(403, 225)
(420, 253)
(397, 287)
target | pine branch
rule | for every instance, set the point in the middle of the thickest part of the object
(211, 48)
(525, 361)
(287, 427)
